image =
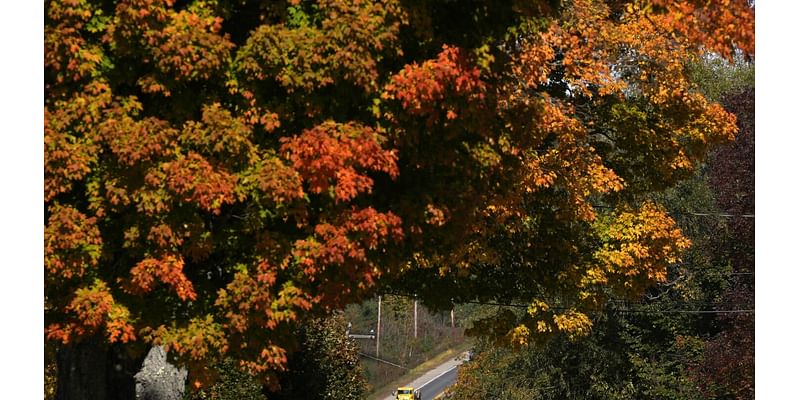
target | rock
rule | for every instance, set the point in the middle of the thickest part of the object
(158, 379)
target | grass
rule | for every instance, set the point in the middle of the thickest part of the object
(418, 371)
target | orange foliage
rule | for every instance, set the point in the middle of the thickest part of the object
(328, 155)
(90, 310)
(168, 270)
(72, 243)
(196, 180)
(423, 88)
(716, 25)
(419, 87)
(343, 246)
(69, 52)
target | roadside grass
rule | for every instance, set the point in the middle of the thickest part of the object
(419, 370)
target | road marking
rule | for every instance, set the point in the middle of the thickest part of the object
(437, 377)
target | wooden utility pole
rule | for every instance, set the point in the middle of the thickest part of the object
(415, 316)
(378, 331)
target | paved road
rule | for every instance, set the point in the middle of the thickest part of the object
(437, 385)
(433, 382)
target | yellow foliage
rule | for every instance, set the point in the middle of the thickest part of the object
(520, 335)
(537, 306)
(543, 327)
(575, 324)
(637, 244)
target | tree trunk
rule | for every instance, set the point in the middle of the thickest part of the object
(122, 365)
(82, 371)
(94, 370)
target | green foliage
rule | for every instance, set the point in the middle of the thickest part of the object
(717, 77)
(326, 367)
(612, 363)
(231, 384)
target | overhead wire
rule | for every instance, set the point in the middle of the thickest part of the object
(382, 360)
(726, 311)
(627, 310)
(701, 214)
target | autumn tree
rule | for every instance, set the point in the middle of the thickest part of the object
(593, 110)
(194, 202)
(218, 171)
(688, 338)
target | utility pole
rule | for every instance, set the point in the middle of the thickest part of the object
(415, 316)
(452, 317)
(378, 333)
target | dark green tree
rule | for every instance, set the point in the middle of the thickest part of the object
(326, 367)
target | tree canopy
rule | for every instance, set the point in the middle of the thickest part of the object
(219, 171)
(691, 337)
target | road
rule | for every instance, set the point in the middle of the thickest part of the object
(437, 385)
(433, 382)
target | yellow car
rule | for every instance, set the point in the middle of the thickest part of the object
(406, 393)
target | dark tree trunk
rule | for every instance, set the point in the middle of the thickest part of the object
(122, 366)
(82, 371)
(94, 370)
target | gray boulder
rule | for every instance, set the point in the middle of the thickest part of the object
(158, 379)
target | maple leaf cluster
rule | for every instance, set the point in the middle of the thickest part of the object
(327, 156)
(422, 89)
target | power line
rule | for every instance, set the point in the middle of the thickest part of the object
(700, 214)
(716, 215)
(628, 310)
(382, 360)
(625, 302)
(692, 302)
(746, 311)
